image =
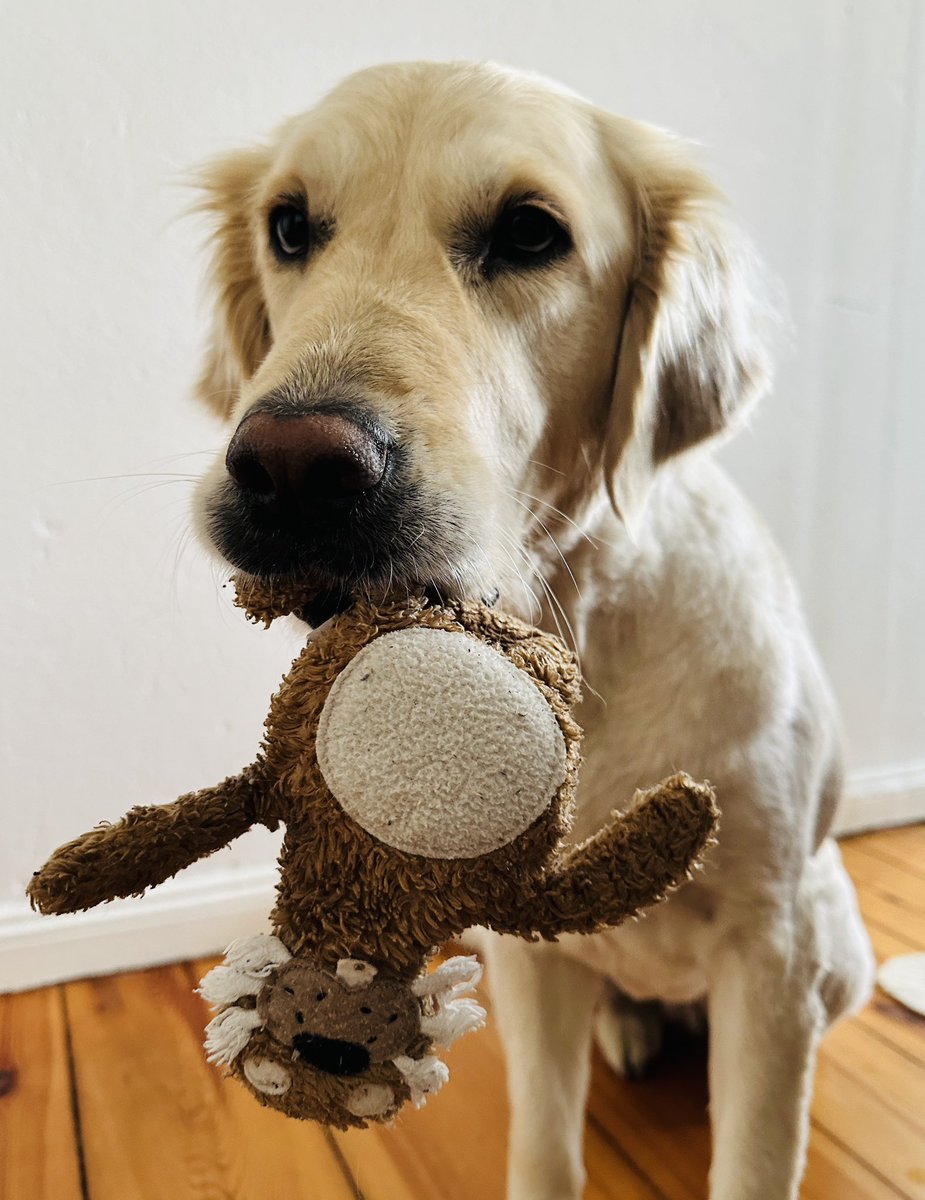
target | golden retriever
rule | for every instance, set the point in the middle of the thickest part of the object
(474, 334)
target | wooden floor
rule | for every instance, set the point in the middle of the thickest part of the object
(105, 1094)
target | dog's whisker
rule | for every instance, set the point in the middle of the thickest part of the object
(536, 463)
(556, 611)
(182, 541)
(529, 593)
(572, 638)
(506, 537)
(114, 503)
(164, 476)
(553, 609)
(170, 458)
(586, 683)
(552, 540)
(558, 511)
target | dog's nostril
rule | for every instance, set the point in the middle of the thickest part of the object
(248, 474)
(307, 459)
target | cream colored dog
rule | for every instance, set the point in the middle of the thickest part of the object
(474, 333)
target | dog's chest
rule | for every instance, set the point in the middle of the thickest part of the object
(660, 956)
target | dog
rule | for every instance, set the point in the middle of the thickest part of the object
(475, 335)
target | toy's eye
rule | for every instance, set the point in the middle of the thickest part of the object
(290, 231)
(526, 235)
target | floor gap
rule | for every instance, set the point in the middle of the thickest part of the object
(74, 1094)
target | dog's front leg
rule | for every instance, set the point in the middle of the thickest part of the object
(544, 1004)
(766, 1018)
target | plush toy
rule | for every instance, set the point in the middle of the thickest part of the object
(424, 759)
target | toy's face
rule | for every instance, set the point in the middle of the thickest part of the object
(338, 1026)
(438, 745)
(341, 1047)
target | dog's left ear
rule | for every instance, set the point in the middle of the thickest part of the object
(692, 355)
(240, 328)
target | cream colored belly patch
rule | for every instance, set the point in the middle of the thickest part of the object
(437, 745)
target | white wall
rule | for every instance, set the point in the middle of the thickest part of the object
(128, 676)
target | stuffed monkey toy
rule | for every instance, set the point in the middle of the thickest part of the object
(424, 760)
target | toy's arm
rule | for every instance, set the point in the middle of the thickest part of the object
(629, 864)
(147, 846)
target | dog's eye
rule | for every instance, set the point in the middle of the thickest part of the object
(526, 235)
(290, 232)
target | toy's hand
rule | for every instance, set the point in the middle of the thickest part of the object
(146, 847)
(629, 864)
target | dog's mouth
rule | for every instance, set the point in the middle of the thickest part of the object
(328, 604)
(409, 547)
(324, 606)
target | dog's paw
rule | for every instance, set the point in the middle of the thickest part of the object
(629, 1033)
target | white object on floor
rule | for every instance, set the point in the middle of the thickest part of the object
(903, 978)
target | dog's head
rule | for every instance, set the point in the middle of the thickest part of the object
(449, 293)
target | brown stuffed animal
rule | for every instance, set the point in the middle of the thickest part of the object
(424, 760)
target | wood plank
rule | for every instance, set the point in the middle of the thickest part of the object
(419, 1157)
(143, 1085)
(892, 898)
(834, 1173)
(886, 877)
(159, 1121)
(660, 1121)
(890, 932)
(886, 911)
(906, 843)
(859, 1119)
(38, 1142)
(915, 863)
(611, 1173)
(663, 1122)
(897, 1081)
(895, 1025)
(885, 1017)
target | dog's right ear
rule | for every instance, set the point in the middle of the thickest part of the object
(240, 336)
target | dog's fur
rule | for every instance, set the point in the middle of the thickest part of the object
(553, 421)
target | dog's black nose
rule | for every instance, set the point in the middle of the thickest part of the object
(305, 460)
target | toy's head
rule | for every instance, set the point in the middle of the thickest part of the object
(342, 1047)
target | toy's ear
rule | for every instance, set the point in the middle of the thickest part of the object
(240, 336)
(692, 355)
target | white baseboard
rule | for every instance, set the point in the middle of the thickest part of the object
(182, 919)
(193, 918)
(882, 797)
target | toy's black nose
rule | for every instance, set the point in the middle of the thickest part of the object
(331, 1055)
(308, 460)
